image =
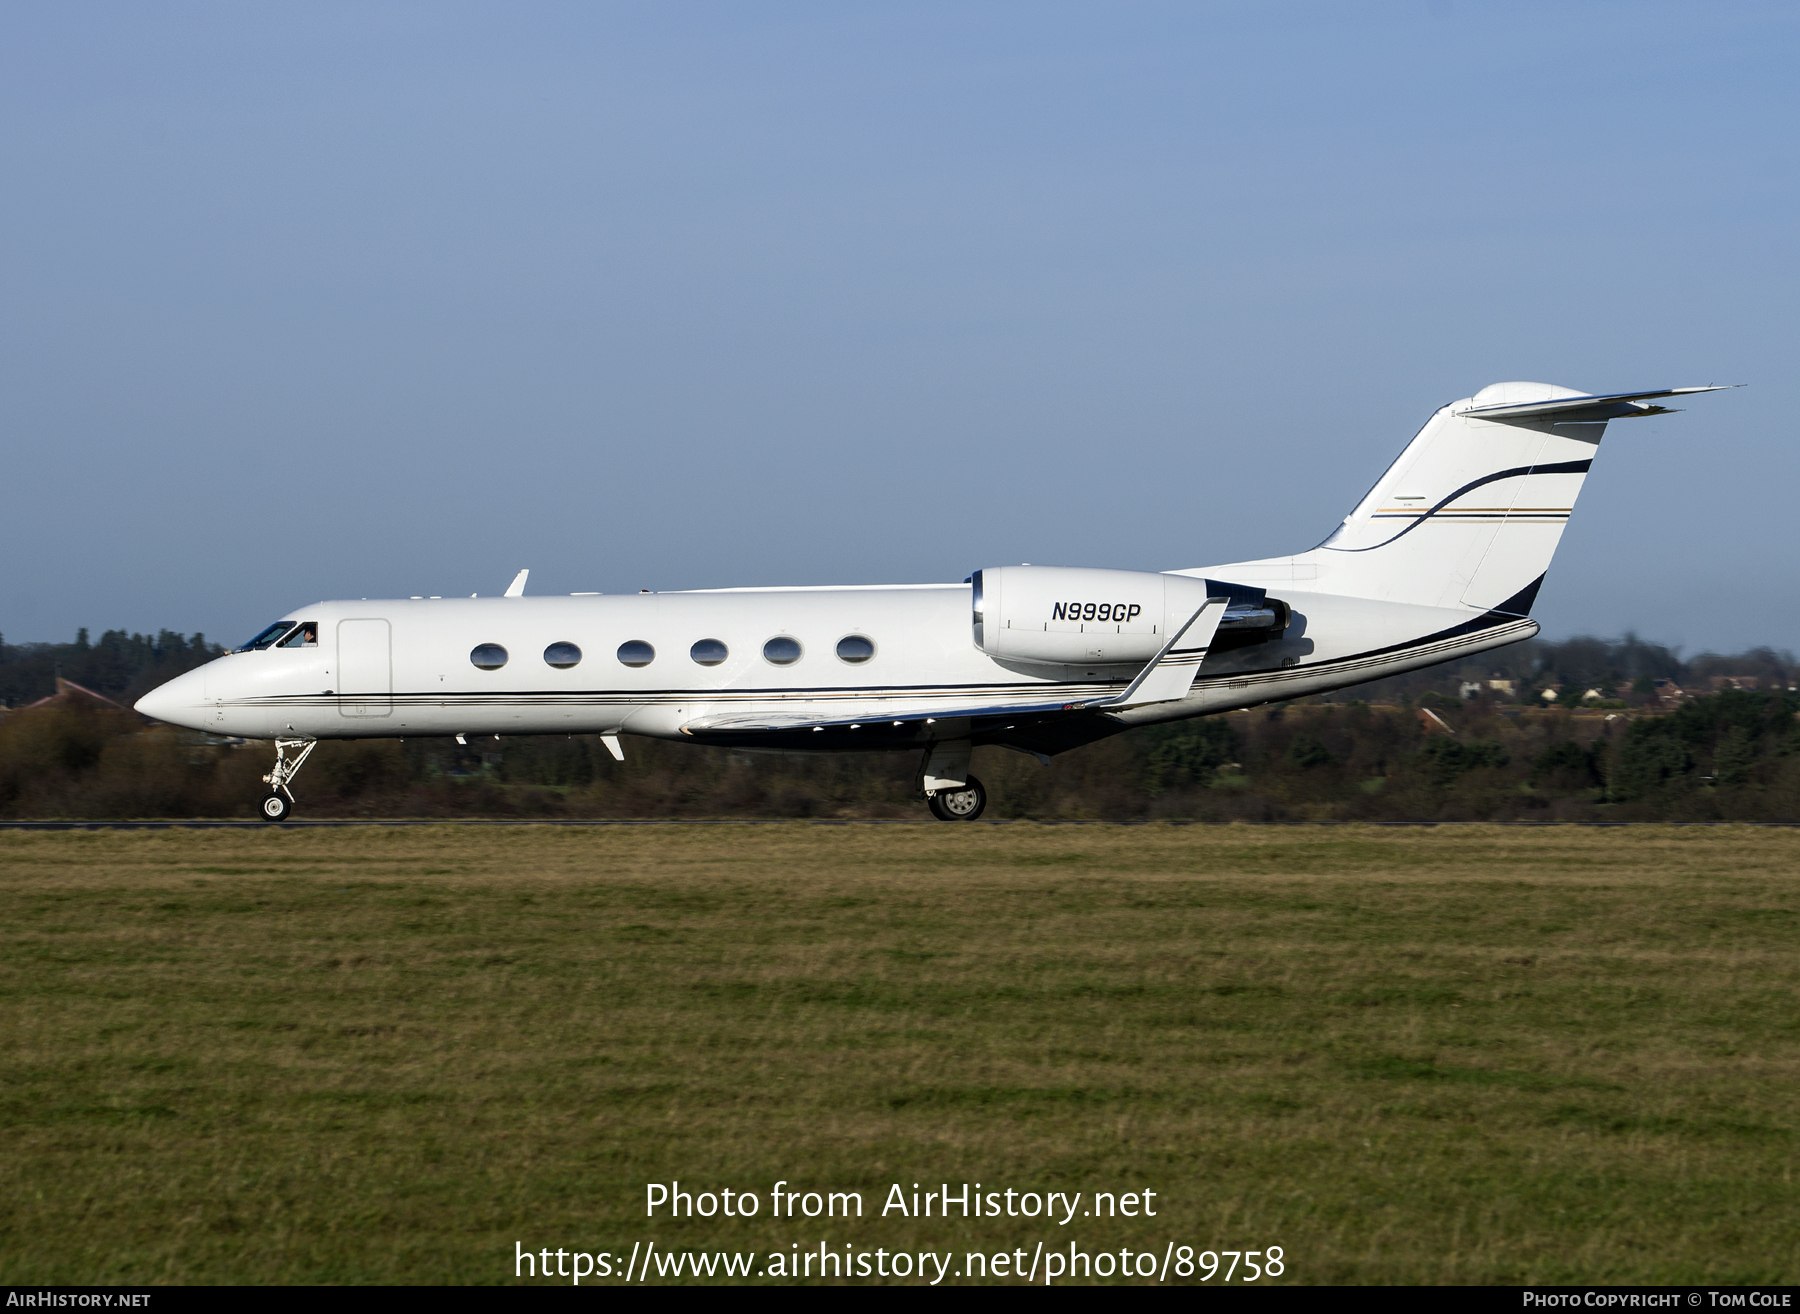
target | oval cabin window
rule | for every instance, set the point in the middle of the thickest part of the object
(562, 655)
(488, 656)
(855, 648)
(636, 652)
(781, 651)
(709, 652)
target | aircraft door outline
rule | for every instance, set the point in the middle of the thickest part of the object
(365, 667)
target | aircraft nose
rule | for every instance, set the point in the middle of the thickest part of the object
(179, 702)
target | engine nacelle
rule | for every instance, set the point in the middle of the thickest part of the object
(1071, 616)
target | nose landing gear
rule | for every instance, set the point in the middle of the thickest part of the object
(279, 801)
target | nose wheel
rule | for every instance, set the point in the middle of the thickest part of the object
(279, 801)
(963, 802)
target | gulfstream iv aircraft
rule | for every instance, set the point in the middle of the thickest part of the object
(1442, 559)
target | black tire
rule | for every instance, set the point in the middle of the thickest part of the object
(274, 807)
(966, 802)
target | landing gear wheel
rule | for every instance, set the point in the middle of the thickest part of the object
(964, 802)
(279, 801)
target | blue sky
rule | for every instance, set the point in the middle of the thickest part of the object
(381, 299)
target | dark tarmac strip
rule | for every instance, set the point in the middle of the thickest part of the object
(800, 821)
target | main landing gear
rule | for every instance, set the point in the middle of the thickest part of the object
(963, 802)
(279, 801)
(944, 780)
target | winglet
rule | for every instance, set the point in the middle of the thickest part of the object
(517, 588)
(1171, 675)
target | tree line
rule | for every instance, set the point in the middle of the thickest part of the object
(1428, 754)
(121, 666)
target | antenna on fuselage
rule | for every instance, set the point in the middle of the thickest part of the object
(517, 588)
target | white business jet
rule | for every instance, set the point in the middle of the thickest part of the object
(1442, 559)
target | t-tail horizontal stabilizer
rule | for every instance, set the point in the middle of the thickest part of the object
(1589, 407)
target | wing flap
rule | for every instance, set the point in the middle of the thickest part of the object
(764, 723)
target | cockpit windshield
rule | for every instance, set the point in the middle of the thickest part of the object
(306, 636)
(267, 637)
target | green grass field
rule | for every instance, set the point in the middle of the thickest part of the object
(1465, 1056)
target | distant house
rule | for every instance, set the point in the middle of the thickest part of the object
(70, 694)
(1551, 695)
(1433, 724)
(1668, 693)
(1501, 686)
(1470, 689)
(1746, 682)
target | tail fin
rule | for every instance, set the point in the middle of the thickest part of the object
(1471, 513)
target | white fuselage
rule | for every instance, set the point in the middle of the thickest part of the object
(398, 667)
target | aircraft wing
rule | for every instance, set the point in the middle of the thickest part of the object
(1167, 678)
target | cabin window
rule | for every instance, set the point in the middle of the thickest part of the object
(268, 636)
(488, 656)
(855, 649)
(709, 652)
(781, 651)
(562, 655)
(635, 652)
(307, 636)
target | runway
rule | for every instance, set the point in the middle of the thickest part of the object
(344, 823)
